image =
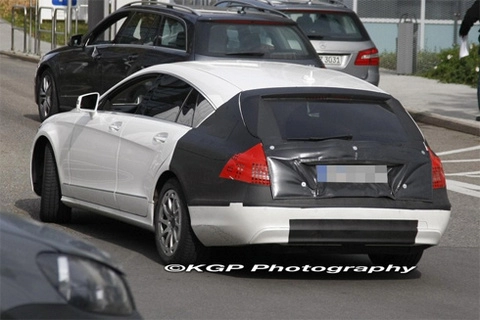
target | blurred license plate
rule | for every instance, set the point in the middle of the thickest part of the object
(331, 60)
(352, 173)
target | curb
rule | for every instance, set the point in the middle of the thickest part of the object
(446, 122)
(21, 55)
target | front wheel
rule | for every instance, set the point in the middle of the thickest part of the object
(407, 260)
(47, 96)
(52, 209)
(174, 237)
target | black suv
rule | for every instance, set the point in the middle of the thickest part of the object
(139, 35)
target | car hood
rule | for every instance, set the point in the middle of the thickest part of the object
(55, 239)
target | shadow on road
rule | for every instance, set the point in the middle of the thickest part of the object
(263, 262)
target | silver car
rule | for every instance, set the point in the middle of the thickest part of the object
(336, 32)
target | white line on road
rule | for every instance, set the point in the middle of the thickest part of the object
(458, 151)
(462, 160)
(464, 188)
(473, 174)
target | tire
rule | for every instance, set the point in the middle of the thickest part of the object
(52, 209)
(174, 237)
(407, 260)
(47, 96)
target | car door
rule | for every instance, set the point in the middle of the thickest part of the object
(147, 143)
(80, 69)
(92, 157)
(135, 38)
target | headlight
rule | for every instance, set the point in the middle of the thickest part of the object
(87, 284)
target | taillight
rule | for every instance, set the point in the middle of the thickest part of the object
(368, 57)
(249, 166)
(438, 175)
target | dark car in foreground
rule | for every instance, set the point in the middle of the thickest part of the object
(48, 274)
(336, 32)
(147, 33)
(237, 153)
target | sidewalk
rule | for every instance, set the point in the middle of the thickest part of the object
(23, 47)
(452, 106)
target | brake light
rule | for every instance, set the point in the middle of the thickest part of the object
(438, 175)
(368, 57)
(249, 166)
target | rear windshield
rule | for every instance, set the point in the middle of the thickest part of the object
(242, 38)
(316, 119)
(329, 25)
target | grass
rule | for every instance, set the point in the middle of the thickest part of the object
(45, 28)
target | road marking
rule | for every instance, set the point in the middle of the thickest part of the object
(462, 160)
(471, 174)
(458, 151)
(464, 188)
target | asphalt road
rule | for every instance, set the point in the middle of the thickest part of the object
(445, 285)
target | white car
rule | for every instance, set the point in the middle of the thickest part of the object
(231, 153)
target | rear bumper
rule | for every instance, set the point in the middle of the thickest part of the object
(239, 225)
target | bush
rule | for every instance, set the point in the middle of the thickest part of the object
(451, 69)
(388, 60)
(444, 66)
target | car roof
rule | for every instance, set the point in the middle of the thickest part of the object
(280, 5)
(321, 5)
(208, 12)
(235, 76)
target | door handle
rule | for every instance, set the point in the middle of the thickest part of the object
(115, 126)
(160, 137)
(132, 57)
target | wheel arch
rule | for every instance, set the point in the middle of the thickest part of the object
(164, 177)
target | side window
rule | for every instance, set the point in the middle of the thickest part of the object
(141, 28)
(129, 96)
(107, 33)
(172, 34)
(203, 110)
(165, 98)
(186, 112)
(195, 109)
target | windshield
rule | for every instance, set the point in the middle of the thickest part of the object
(242, 38)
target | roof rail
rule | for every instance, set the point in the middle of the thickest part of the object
(163, 4)
(263, 6)
(335, 2)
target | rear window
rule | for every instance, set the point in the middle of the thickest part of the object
(316, 119)
(329, 25)
(242, 38)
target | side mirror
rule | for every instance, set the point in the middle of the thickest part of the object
(75, 40)
(88, 102)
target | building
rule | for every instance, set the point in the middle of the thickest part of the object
(436, 21)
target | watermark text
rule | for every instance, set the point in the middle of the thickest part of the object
(215, 268)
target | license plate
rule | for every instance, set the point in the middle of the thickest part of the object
(331, 60)
(352, 173)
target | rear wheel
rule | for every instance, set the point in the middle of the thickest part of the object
(174, 237)
(47, 96)
(407, 260)
(52, 209)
